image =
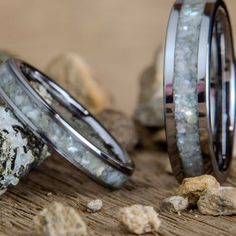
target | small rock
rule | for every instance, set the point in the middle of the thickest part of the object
(58, 220)
(72, 73)
(193, 188)
(95, 205)
(149, 111)
(219, 201)
(120, 126)
(174, 204)
(140, 219)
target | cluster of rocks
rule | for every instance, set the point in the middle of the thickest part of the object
(205, 193)
(202, 192)
(58, 219)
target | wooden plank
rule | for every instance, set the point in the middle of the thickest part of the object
(149, 185)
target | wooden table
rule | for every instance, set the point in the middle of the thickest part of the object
(56, 180)
(118, 38)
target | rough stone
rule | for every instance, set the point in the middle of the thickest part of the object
(193, 188)
(140, 219)
(72, 73)
(174, 204)
(219, 201)
(120, 126)
(149, 110)
(20, 149)
(150, 138)
(60, 220)
(94, 205)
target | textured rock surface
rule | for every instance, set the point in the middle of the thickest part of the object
(120, 126)
(140, 219)
(94, 205)
(194, 187)
(72, 73)
(174, 204)
(149, 111)
(219, 201)
(20, 149)
(60, 220)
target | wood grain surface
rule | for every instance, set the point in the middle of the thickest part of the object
(118, 38)
(149, 185)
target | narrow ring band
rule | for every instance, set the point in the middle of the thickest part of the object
(65, 124)
(199, 89)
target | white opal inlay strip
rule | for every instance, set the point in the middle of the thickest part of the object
(185, 86)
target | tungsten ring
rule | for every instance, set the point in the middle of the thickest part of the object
(64, 124)
(199, 89)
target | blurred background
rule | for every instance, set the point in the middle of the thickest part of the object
(117, 38)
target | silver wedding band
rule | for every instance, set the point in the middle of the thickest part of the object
(199, 89)
(65, 124)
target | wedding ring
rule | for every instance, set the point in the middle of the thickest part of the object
(65, 124)
(199, 89)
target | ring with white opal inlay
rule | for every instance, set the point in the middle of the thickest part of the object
(64, 124)
(199, 89)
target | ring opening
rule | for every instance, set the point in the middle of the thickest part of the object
(221, 89)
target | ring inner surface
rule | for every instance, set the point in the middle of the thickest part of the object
(221, 89)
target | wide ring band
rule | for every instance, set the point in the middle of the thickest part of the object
(65, 124)
(199, 89)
